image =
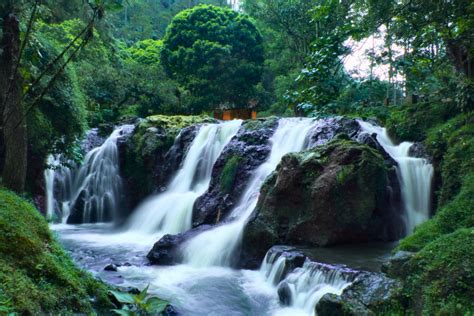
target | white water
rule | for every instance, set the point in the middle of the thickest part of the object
(307, 285)
(415, 176)
(49, 175)
(96, 182)
(217, 246)
(170, 212)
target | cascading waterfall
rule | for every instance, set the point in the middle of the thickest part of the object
(216, 247)
(171, 211)
(49, 175)
(306, 285)
(415, 176)
(96, 183)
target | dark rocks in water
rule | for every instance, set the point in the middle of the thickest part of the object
(150, 158)
(369, 294)
(397, 265)
(293, 259)
(111, 267)
(92, 139)
(284, 293)
(232, 170)
(170, 310)
(166, 250)
(418, 150)
(332, 194)
(327, 129)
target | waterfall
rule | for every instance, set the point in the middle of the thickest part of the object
(171, 211)
(49, 175)
(306, 285)
(93, 189)
(415, 176)
(216, 247)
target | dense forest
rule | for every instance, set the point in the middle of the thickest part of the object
(344, 185)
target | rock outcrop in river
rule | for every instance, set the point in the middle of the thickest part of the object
(332, 194)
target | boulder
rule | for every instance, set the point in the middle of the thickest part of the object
(166, 250)
(244, 153)
(332, 194)
(397, 265)
(369, 294)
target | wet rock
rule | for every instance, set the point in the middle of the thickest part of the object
(418, 150)
(329, 195)
(111, 267)
(170, 310)
(284, 293)
(397, 265)
(244, 153)
(369, 294)
(150, 157)
(92, 140)
(166, 250)
(326, 130)
(293, 258)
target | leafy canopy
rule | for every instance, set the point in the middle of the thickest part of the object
(216, 54)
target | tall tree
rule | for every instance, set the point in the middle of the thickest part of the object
(216, 54)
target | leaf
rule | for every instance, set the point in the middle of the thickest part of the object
(154, 305)
(124, 312)
(123, 297)
(140, 297)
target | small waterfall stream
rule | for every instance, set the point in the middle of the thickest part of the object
(170, 212)
(217, 246)
(305, 285)
(415, 176)
(96, 183)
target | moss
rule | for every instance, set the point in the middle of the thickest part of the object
(442, 275)
(229, 172)
(36, 275)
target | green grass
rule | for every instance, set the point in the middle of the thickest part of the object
(36, 275)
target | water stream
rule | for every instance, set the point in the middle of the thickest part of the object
(415, 176)
(170, 212)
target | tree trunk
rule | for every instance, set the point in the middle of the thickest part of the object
(14, 126)
(463, 61)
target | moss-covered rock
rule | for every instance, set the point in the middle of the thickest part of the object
(332, 194)
(150, 157)
(232, 170)
(36, 275)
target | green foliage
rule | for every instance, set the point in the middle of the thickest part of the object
(36, 275)
(146, 85)
(139, 304)
(441, 275)
(412, 122)
(216, 54)
(229, 172)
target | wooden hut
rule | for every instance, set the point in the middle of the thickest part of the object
(231, 114)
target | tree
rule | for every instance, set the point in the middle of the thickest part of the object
(14, 108)
(216, 54)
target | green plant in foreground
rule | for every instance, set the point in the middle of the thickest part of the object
(139, 304)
